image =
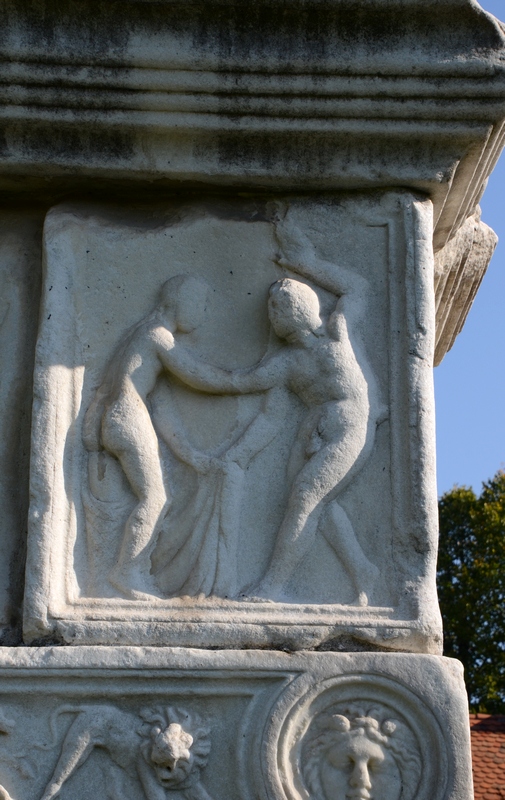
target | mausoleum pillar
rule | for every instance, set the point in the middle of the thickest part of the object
(235, 238)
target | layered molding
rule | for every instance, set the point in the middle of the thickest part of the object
(292, 95)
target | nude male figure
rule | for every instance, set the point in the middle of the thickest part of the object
(325, 365)
(118, 421)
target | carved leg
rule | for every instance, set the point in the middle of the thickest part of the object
(77, 747)
(128, 433)
(328, 470)
(339, 533)
(295, 537)
(115, 783)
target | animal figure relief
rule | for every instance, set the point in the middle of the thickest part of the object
(165, 749)
(360, 753)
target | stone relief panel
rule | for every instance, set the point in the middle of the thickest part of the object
(72, 747)
(232, 430)
(164, 749)
(131, 723)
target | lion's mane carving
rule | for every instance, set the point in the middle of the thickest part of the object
(176, 744)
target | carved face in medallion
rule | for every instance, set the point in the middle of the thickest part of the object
(358, 768)
(360, 755)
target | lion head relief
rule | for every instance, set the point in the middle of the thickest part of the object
(176, 745)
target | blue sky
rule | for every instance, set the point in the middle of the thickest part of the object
(470, 382)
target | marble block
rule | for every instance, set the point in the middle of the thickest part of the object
(233, 425)
(310, 95)
(174, 724)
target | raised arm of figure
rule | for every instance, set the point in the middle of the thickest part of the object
(197, 373)
(297, 253)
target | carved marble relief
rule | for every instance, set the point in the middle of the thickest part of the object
(361, 737)
(131, 723)
(360, 752)
(164, 749)
(219, 429)
(322, 362)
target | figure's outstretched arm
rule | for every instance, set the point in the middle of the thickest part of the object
(298, 255)
(215, 380)
(196, 373)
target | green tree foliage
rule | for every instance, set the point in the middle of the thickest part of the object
(471, 583)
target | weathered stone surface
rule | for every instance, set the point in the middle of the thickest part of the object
(309, 94)
(233, 440)
(244, 476)
(459, 269)
(154, 724)
(20, 278)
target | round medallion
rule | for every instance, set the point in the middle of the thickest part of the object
(361, 737)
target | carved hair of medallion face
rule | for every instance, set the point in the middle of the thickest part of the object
(360, 754)
(293, 306)
(175, 754)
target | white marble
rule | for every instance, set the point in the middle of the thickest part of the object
(233, 430)
(175, 724)
(459, 269)
(226, 390)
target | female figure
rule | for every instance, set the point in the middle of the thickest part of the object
(118, 421)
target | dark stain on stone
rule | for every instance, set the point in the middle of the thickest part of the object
(79, 145)
(65, 29)
(320, 32)
(347, 643)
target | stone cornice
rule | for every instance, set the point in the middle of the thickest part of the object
(271, 95)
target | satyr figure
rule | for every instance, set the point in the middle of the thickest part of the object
(360, 755)
(118, 421)
(324, 363)
(164, 749)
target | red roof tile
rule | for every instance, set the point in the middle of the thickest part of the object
(488, 755)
